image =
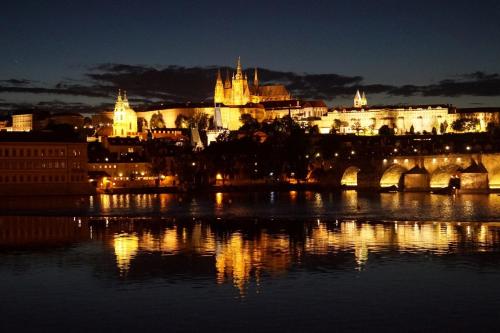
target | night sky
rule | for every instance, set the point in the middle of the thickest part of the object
(75, 54)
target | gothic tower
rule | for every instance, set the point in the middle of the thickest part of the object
(219, 90)
(360, 101)
(364, 101)
(255, 80)
(238, 86)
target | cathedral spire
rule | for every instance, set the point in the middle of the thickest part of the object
(219, 89)
(219, 78)
(357, 99)
(227, 83)
(255, 78)
(364, 101)
(119, 97)
(238, 69)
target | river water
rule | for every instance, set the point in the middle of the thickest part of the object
(266, 262)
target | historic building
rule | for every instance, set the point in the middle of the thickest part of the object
(237, 91)
(235, 96)
(42, 163)
(124, 117)
(360, 100)
(22, 122)
(411, 119)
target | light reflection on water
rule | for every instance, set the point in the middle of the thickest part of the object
(239, 252)
(294, 260)
(291, 204)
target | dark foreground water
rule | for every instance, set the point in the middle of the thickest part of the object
(251, 262)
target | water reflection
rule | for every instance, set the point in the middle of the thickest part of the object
(244, 252)
(125, 246)
(288, 205)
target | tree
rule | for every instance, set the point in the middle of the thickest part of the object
(445, 126)
(249, 123)
(157, 121)
(314, 129)
(464, 124)
(356, 126)
(434, 131)
(337, 123)
(181, 121)
(490, 128)
(412, 130)
(385, 130)
(199, 120)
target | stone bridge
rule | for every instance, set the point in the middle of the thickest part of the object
(467, 172)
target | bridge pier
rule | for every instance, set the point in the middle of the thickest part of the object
(416, 179)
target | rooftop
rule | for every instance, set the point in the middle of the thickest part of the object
(41, 136)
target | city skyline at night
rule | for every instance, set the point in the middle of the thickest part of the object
(70, 56)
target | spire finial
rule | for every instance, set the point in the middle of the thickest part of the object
(255, 78)
(238, 68)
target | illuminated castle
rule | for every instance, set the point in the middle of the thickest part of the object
(124, 117)
(411, 119)
(237, 91)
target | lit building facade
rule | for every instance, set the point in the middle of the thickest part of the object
(32, 164)
(416, 119)
(124, 118)
(22, 122)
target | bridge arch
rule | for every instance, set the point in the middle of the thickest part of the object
(350, 176)
(393, 176)
(441, 177)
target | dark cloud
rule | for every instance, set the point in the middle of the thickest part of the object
(75, 90)
(54, 106)
(16, 82)
(181, 84)
(473, 84)
(147, 84)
